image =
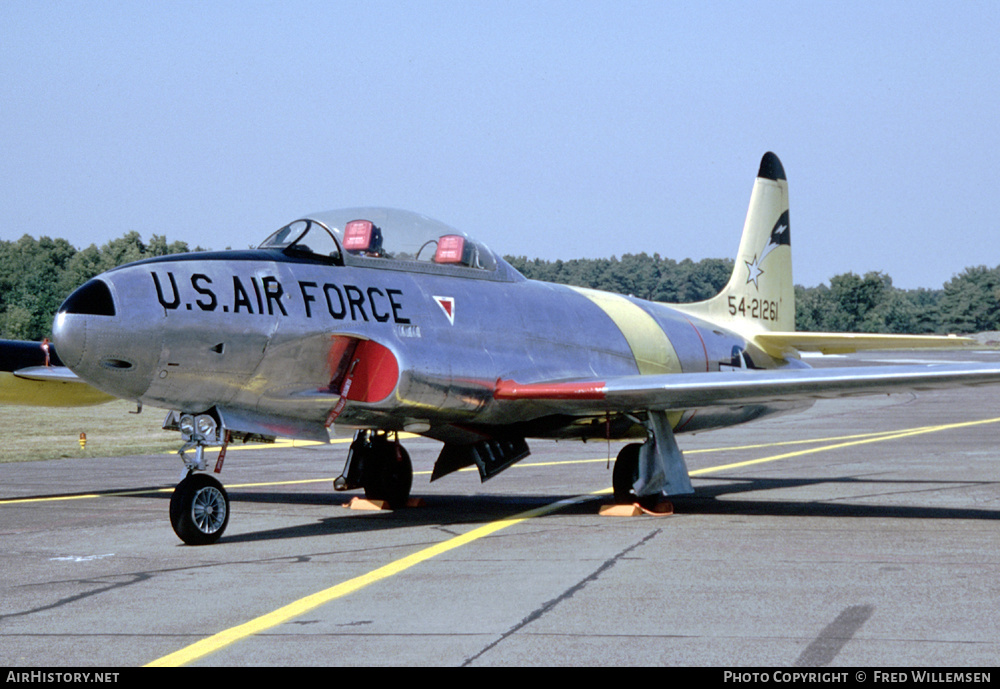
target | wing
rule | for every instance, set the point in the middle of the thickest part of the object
(674, 392)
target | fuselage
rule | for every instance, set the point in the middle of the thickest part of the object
(270, 334)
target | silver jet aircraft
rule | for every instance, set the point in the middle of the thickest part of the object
(382, 321)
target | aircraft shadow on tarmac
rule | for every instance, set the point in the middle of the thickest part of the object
(443, 511)
(721, 495)
(707, 499)
(716, 499)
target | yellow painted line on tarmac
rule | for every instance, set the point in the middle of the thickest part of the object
(839, 442)
(209, 645)
(893, 435)
(804, 441)
(864, 437)
(86, 496)
(281, 443)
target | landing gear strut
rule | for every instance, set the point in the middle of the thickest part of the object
(381, 466)
(626, 474)
(644, 472)
(199, 506)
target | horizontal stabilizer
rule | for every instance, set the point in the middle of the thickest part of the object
(780, 344)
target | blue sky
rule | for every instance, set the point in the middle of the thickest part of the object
(547, 129)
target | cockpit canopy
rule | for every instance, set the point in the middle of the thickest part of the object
(394, 238)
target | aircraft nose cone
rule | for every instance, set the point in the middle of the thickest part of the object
(69, 330)
(99, 345)
(69, 335)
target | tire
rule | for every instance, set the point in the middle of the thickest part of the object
(625, 474)
(199, 509)
(387, 475)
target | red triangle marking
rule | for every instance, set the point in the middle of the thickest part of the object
(447, 305)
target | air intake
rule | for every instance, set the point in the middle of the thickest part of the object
(93, 299)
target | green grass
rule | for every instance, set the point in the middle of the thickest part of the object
(30, 433)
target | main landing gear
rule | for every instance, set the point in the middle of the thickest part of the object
(625, 474)
(645, 472)
(379, 465)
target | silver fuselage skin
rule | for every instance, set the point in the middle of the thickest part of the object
(250, 333)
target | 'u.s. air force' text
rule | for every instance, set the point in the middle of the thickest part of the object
(264, 296)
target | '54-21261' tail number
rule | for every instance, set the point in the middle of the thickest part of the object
(763, 309)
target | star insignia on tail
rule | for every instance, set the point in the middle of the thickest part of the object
(754, 271)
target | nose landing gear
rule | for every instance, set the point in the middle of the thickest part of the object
(199, 506)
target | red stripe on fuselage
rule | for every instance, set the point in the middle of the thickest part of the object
(511, 390)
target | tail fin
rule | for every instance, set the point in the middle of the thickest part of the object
(760, 295)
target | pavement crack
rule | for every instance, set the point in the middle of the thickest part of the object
(565, 595)
(133, 579)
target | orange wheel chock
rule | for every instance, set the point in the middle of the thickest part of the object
(661, 509)
(359, 503)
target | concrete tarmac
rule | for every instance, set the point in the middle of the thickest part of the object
(862, 532)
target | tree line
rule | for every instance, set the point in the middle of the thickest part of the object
(36, 275)
(968, 303)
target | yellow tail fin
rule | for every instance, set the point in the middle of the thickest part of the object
(760, 295)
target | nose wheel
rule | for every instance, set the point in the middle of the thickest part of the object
(199, 509)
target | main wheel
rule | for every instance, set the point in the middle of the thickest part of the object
(625, 474)
(387, 473)
(199, 509)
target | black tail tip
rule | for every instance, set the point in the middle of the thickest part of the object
(770, 167)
